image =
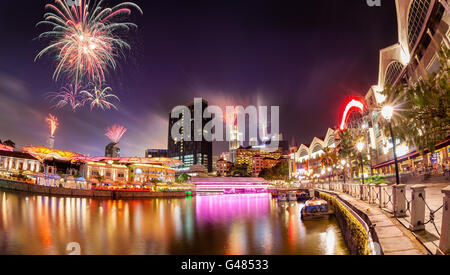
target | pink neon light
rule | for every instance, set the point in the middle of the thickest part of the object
(352, 104)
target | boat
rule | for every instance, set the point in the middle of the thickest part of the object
(282, 197)
(292, 197)
(301, 196)
(316, 209)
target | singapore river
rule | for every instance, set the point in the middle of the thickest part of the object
(213, 224)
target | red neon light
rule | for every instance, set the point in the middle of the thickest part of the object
(352, 104)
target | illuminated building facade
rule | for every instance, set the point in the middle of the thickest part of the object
(260, 163)
(423, 28)
(110, 171)
(190, 152)
(12, 162)
(308, 158)
(145, 173)
(223, 167)
(244, 156)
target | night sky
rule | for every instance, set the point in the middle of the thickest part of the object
(307, 57)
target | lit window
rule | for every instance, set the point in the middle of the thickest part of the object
(416, 19)
(393, 71)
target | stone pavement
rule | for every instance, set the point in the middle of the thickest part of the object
(434, 199)
(393, 237)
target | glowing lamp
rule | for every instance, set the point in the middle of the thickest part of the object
(360, 146)
(387, 112)
(343, 162)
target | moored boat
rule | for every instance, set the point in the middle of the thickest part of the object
(316, 209)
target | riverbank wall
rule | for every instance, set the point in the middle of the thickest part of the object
(356, 227)
(66, 192)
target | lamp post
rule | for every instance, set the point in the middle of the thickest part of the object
(360, 147)
(387, 113)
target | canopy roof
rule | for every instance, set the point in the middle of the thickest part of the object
(43, 153)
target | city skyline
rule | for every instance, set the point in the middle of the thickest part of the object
(265, 58)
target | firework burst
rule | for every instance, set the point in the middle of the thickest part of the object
(85, 37)
(115, 132)
(52, 123)
(69, 95)
(99, 97)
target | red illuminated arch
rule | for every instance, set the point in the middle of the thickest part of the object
(353, 104)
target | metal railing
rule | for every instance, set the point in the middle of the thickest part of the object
(431, 215)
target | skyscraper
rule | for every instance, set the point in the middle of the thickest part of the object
(112, 150)
(191, 152)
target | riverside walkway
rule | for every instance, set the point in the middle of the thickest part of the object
(416, 226)
(393, 237)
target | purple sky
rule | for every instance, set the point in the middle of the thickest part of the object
(307, 57)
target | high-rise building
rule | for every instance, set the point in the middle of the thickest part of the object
(112, 150)
(191, 152)
(51, 142)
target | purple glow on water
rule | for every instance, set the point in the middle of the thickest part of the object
(222, 208)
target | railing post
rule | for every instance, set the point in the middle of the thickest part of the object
(382, 195)
(361, 191)
(398, 194)
(417, 208)
(372, 194)
(444, 244)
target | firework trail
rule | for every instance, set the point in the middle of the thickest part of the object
(99, 97)
(52, 123)
(69, 95)
(115, 132)
(85, 37)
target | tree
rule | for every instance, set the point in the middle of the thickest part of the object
(10, 143)
(99, 178)
(239, 170)
(329, 158)
(278, 172)
(422, 113)
(183, 178)
(347, 146)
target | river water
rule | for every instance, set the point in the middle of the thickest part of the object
(213, 224)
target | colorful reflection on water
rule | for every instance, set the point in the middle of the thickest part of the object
(230, 224)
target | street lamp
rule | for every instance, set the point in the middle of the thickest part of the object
(387, 113)
(360, 147)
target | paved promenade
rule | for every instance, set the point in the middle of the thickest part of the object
(393, 237)
(434, 199)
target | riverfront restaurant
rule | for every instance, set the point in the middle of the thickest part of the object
(14, 163)
(71, 169)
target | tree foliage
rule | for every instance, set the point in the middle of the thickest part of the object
(183, 178)
(422, 114)
(278, 172)
(238, 170)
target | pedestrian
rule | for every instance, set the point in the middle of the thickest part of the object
(447, 169)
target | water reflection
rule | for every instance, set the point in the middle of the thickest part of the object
(234, 224)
